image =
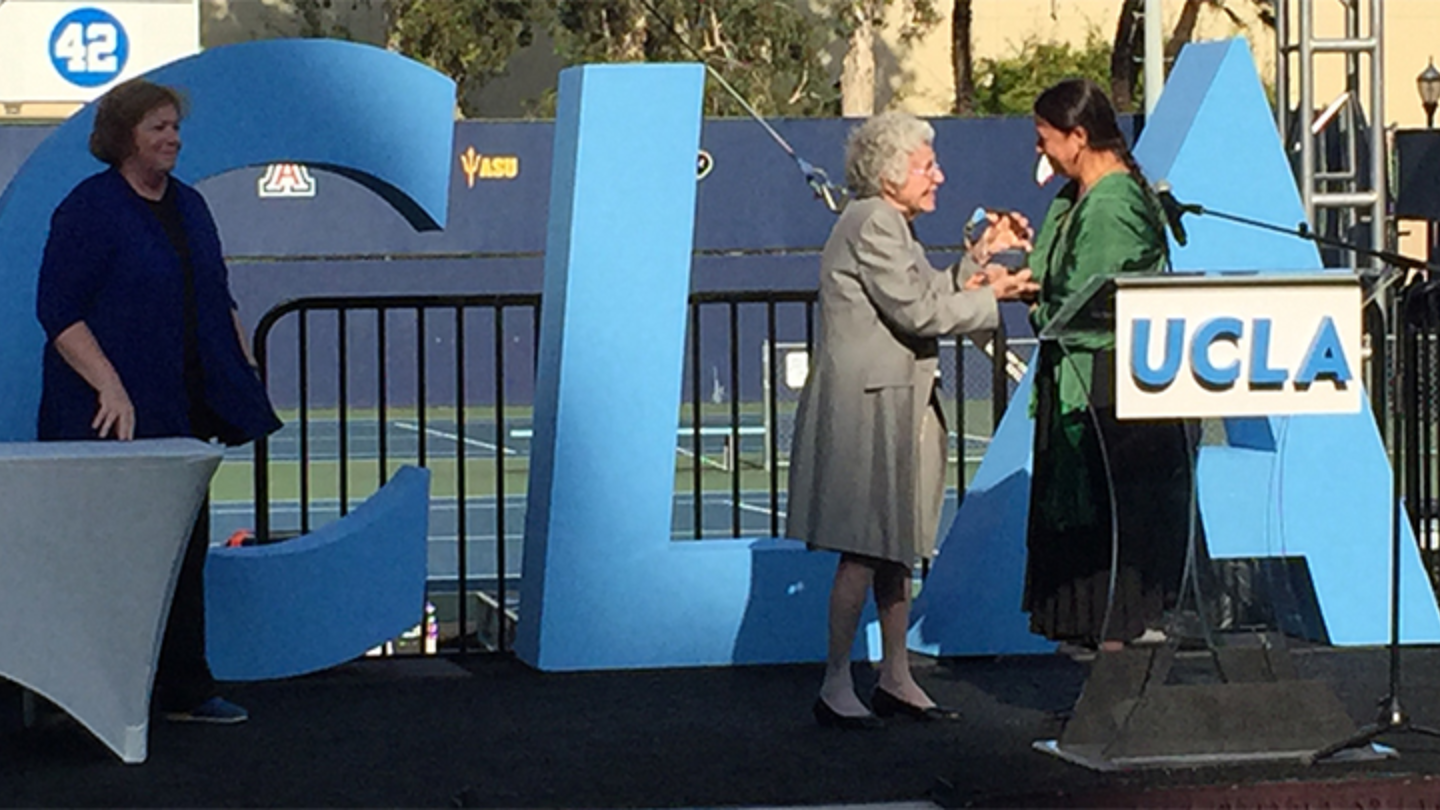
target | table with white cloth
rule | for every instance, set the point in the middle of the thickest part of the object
(92, 535)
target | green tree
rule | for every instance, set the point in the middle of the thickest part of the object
(1008, 86)
(471, 41)
(1128, 46)
(858, 22)
(962, 60)
(768, 50)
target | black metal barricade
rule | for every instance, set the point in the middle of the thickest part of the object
(369, 382)
(1415, 449)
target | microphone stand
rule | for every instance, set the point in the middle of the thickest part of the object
(1392, 715)
(1302, 231)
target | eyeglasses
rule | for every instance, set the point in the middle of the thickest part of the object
(932, 170)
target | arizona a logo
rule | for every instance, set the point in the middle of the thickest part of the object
(286, 180)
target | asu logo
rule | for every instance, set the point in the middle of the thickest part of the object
(488, 167)
(286, 180)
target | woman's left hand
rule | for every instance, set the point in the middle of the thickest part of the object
(1009, 230)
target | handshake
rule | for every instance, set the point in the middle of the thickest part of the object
(1001, 250)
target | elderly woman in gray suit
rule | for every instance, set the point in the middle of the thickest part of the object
(868, 462)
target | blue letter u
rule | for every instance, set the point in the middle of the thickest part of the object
(1155, 379)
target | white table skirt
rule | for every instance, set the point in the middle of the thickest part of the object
(92, 535)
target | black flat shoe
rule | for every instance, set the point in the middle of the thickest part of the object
(887, 705)
(829, 718)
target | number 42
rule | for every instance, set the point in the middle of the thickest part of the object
(89, 48)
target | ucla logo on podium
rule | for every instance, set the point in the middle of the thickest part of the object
(1238, 347)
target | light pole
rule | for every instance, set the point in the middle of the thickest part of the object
(1429, 83)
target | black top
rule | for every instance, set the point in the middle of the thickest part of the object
(168, 212)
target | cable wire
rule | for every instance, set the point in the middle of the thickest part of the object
(833, 195)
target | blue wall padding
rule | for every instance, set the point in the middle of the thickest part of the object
(381, 119)
(604, 586)
(971, 601)
(1317, 486)
(306, 604)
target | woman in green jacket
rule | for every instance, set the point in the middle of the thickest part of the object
(1086, 582)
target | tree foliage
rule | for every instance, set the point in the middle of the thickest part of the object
(1009, 86)
(768, 50)
(918, 17)
(1128, 49)
(857, 22)
(471, 41)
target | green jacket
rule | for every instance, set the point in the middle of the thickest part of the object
(1115, 228)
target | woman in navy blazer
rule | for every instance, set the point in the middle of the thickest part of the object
(144, 340)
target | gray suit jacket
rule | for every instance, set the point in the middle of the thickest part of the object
(855, 461)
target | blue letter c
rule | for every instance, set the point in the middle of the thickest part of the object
(1210, 376)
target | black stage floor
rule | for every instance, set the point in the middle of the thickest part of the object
(490, 732)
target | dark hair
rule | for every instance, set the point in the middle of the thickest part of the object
(112, 140)
(1076, 103)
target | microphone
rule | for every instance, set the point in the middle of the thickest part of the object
(1174, 210)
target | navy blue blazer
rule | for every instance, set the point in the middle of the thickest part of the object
(109, 263)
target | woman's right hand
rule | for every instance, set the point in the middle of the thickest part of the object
(116, 413)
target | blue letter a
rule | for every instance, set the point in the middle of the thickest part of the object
(1325, 359)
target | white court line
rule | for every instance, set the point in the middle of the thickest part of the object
(703, 459)
(712, 430)
(440, 434)
(745, 507)
(438, 504)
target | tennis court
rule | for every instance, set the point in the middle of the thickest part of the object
(721, 515)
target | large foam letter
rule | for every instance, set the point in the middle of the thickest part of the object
(604, 586)
(260, 102)
(1213, 137)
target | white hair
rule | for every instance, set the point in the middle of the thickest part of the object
(879, 149)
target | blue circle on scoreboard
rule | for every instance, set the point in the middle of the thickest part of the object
(88, 47)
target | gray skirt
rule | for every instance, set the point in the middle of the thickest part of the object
(898, 542)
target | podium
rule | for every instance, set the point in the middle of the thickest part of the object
(92, 535)
(1193, 346)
